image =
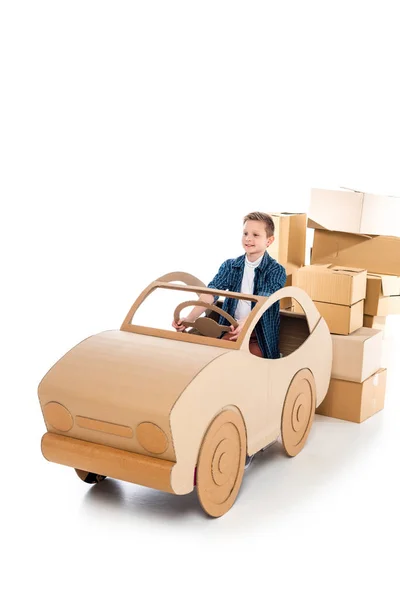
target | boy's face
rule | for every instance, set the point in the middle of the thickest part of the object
(255, 240)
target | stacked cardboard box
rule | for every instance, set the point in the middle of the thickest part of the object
(382, 300)
(359, 231)
(375, 322)
(355, 401)
(337, 292)
(357, 388)
(383, 295)
(289, 247)
(354, 229)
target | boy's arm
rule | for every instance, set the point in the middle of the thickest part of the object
(198, 310)
(277, 279)
(221, 279)
(219, 282)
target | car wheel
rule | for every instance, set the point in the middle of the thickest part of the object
(221, 463)
(88, 477)
(298, 412)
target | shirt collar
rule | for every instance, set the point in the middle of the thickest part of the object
(240, 261)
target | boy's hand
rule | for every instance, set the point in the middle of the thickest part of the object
(178, 325)
(235, 332)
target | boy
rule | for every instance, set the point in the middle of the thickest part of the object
(254, 272)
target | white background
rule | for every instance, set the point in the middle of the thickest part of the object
(134, 137)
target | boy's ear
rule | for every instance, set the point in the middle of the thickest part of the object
(270, 240)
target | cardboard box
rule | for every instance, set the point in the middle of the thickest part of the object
(342, 319)
(389, 305)
(378, 254)
(383, 295)
(357, 356)
(354, 212)
(289, 247)
(337, 293)
(375, 323)
(336, 285)
(386, 356)
(352, 401)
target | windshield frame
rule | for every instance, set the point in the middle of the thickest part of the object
(185, 336)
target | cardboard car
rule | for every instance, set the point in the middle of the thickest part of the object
(177, 410)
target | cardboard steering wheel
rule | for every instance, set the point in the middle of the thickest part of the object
(205, 325)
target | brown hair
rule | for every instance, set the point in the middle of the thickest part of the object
(260, 216)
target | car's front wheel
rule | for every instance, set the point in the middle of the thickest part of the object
(298, 412)
(88, 477)
(221, 463)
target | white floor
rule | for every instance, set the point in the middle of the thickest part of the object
(324, 524)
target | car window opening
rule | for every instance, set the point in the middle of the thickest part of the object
(294, 328)
(294, 331)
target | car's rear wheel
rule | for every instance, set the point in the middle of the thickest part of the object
(298, 412)
(88, 477)
(221, 463)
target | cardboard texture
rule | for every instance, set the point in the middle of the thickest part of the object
(342, 319)
(289, 247)
(383, 295)
(116, 463)
(298, 412)
(219, 472)
(352, 401)
(358, 355)
(333, 284)
(376, 254)
(375, 323)
(384, 285)
(338, 294)
(354, 212)
(386, 356)
(389, 305)
(142, 404)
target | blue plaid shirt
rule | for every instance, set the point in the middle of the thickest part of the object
(269, 277)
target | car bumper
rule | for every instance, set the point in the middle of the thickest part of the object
(104, 460)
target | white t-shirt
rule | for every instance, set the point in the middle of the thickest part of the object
(244, 306)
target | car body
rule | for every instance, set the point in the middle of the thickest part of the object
(171, 410)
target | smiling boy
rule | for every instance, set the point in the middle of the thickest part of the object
(254, 272)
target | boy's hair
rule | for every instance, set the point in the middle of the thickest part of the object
(260, 216)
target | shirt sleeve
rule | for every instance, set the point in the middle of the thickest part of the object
(277, 279)
(221, 279)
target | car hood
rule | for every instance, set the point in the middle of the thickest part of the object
(115, 371)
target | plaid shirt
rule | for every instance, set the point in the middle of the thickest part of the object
(269, 277)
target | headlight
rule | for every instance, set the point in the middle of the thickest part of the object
(58, 416)
(151, 438)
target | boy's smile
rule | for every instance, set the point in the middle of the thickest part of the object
(255, 240)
